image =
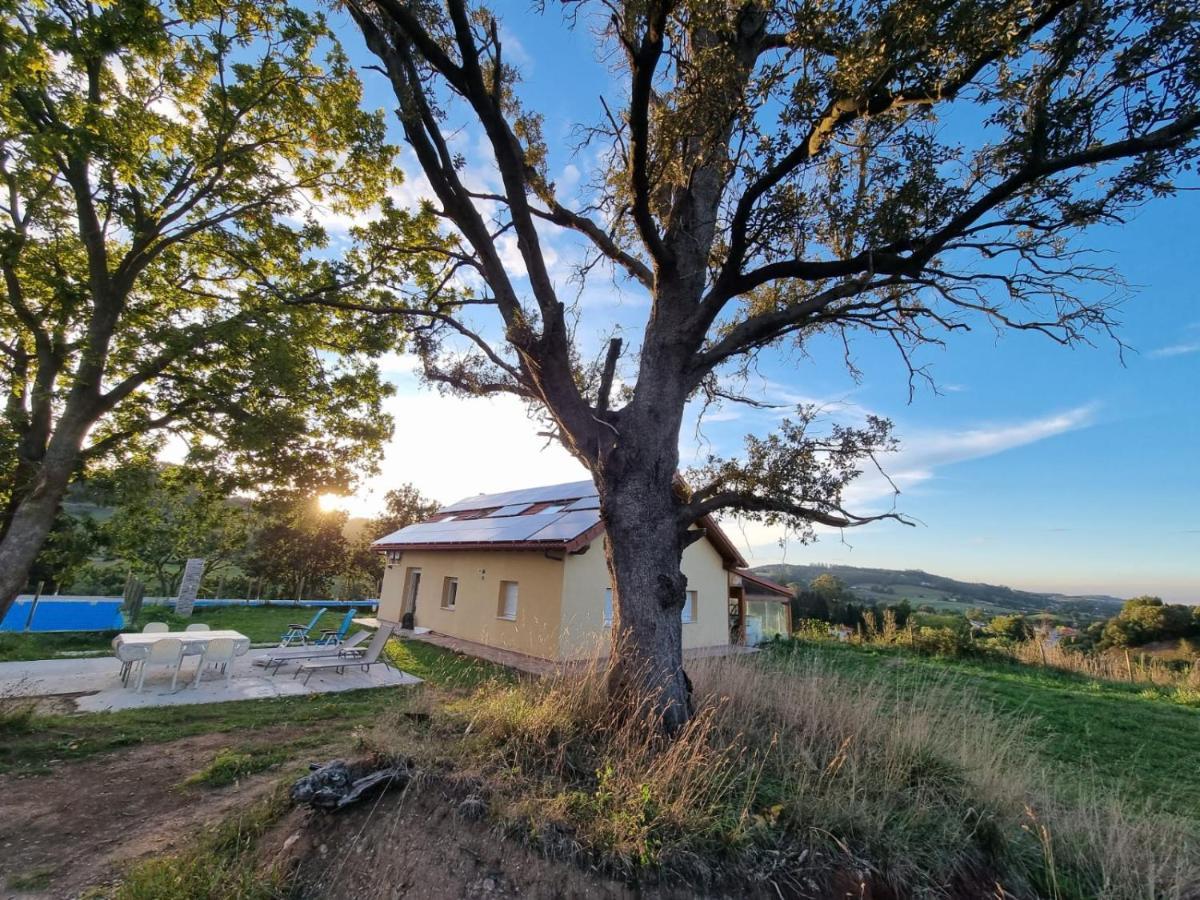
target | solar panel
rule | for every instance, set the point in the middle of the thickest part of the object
(567, 491)
(567, 526)
(514, 509)
(585, 503)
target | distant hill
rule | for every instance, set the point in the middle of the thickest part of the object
(918, 587)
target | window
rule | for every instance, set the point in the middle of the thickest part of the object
(449, 592)
(608, 607)
(508, 601)
(689, 607)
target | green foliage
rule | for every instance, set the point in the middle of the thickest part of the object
(16, 714)
(168, 170)
(1145, 619)
(229, 766)
(71, 543)
(165, 515)
(1012, 629)
(298, 548)
(221, 863)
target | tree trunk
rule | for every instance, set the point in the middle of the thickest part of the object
(34, 513)
(644, 551)
(644, 548)
(31, 523)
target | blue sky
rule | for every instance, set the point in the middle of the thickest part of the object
(1035, 466)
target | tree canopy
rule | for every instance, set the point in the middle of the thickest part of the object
(165, 173)
(772, 172)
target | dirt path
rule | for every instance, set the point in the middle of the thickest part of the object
(416, 844)
(79, 825)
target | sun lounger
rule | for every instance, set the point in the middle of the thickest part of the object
(337, 635)
(277, 658)
(298, 634)
(373, 656)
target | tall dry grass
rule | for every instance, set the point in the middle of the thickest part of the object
(1114, 665)
(792, 778)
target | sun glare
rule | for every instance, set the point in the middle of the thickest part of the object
(330, 502)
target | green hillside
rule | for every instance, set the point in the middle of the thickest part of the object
(940, 592)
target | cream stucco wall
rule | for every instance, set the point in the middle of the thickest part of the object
(586, 578)
(476, 613)
(560, 610)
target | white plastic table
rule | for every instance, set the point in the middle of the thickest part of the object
(194, 643)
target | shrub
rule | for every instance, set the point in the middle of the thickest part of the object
(230, 765)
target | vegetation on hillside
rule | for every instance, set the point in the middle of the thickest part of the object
(147, 519)
(873, 585)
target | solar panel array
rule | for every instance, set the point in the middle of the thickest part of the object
(569, 491)
(508, 523)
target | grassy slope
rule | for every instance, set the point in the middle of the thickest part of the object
(1127, 737)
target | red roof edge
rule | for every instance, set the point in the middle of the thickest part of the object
(765, 583)
(726, 547)
(475, 545)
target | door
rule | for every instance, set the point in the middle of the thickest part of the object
(753, 631)
(410, 591)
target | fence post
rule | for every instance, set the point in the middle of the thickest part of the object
(1128, 664)
(37, 595)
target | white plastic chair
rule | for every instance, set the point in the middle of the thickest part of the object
(167, 652)
(197, 626)
(155, 628)
(219, 652)
(131, 655)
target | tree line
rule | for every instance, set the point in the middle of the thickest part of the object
(765, 177)
(146, 520)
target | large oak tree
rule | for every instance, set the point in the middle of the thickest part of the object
(772, 171)
(164, 171)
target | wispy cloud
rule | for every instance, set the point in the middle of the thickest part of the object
(949, 446)
(1175, 350)
(922, 454)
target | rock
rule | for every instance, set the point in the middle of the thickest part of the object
(338, 784)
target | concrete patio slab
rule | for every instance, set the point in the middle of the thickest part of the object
(94, 685)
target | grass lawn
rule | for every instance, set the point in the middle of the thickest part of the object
(259, 623)
(31, 746)
(1125, 736)
(824, 757)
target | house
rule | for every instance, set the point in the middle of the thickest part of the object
(525, 571)
(767, 609)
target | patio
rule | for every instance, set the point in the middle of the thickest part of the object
(94, 684)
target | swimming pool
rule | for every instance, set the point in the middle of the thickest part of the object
(65, 614)
(104, 613)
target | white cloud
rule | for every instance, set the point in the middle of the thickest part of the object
(922, 453)
(1175, 350)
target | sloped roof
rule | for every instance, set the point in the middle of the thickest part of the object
(765, 585)
(556, 516)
